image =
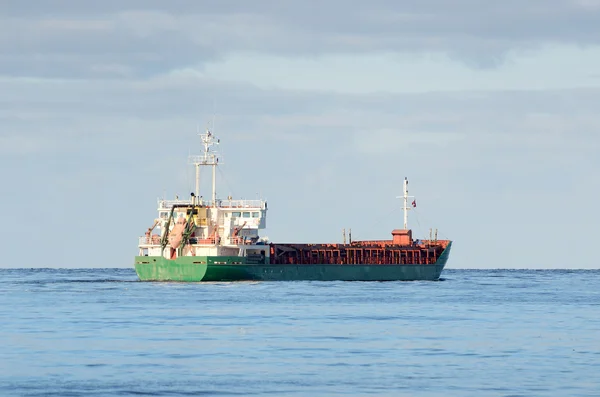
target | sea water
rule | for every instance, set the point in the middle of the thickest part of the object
(90, 332)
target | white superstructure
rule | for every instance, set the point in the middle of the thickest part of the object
(200, 227)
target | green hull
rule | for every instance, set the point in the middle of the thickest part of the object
(233, 268)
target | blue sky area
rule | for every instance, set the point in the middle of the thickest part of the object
(489, 108)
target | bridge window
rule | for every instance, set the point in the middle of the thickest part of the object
(246, 215)
(256, 215)
(236, 214)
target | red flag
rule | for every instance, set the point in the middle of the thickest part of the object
(414, 203)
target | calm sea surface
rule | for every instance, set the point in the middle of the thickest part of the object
(91, 332)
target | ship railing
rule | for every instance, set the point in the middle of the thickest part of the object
(149, 240)
(204, 241)
(236, 241)
(242, 241)
(431, 243)
(241, 203)
(155, 240)
(168, 204)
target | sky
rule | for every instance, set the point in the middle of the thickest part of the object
(489, 108)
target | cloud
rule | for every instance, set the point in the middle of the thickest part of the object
(105, 110)
(71, 38)
(22, 145)
(399, 141)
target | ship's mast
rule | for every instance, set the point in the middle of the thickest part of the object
(405, 203)
(197, 167)
(406, 208)
(209, 157)
(197, 190)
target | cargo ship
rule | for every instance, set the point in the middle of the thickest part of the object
(210, 239)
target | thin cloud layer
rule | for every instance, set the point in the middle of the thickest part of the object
(73, 38)
(69, 108)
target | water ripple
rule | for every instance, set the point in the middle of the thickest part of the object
(101, 332)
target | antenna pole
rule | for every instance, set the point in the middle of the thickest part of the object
(197, 192)
(405, 203)
(209, 157)
(214, 182)
(405, 207)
